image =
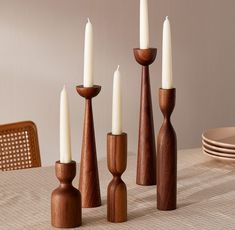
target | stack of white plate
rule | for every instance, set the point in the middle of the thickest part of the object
(219, 143)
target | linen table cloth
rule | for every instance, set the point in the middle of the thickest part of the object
(206, 197)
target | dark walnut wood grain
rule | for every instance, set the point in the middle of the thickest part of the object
(66, 211)
(145, 57)
(89, 177)
(88, 92)
(146, 161)
(167, 154)
(117, 192)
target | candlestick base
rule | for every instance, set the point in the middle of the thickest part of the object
(89, 177)
(66, 209)
(117, 192)
(146, 161)
(167, 154)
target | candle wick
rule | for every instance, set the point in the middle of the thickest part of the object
(88, 20)
(118, 67)
(167, 17)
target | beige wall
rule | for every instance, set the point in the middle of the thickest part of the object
(41, 49)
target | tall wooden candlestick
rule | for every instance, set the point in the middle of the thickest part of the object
(66, 211)
(166, 154)
(117, 192)
(146, 162)
(89, 177)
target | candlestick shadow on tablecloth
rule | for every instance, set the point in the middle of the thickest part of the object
(66, 211)
(167, 154)
(146, 162)
(89, 177)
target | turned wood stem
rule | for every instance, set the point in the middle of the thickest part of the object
(146, 160)
(66, 211)
(117, 192)
(89, 177)
(167, 154)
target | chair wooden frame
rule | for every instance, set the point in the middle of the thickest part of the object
(19, 147)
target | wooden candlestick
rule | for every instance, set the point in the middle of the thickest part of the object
(89, 177)
(117, 192)
(166, 154)
(146, 162)
(66, 211)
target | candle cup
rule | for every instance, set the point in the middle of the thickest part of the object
(167, 154)
(89, 177)
(117, 192)
(146, 161)
(66, 209)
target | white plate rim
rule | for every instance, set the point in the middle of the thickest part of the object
(217, 148)
(219, 157)
(218, 143)
(218, 154)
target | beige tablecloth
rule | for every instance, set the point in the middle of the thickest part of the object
(206, 197)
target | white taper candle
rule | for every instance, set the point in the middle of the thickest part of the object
(117, 104)
(88, 55)
(65, 142)
(144, 25)
(167, 80)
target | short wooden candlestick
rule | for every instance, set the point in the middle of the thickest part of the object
(166, 154)
(117, 192)
(89, 177)
(146, 162)
(66, 211)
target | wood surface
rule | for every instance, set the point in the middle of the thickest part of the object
(167, 154)
(66, 211)
(145, 57)
(89, 177)
(88, 92)
(146, 160)
(117, 191)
